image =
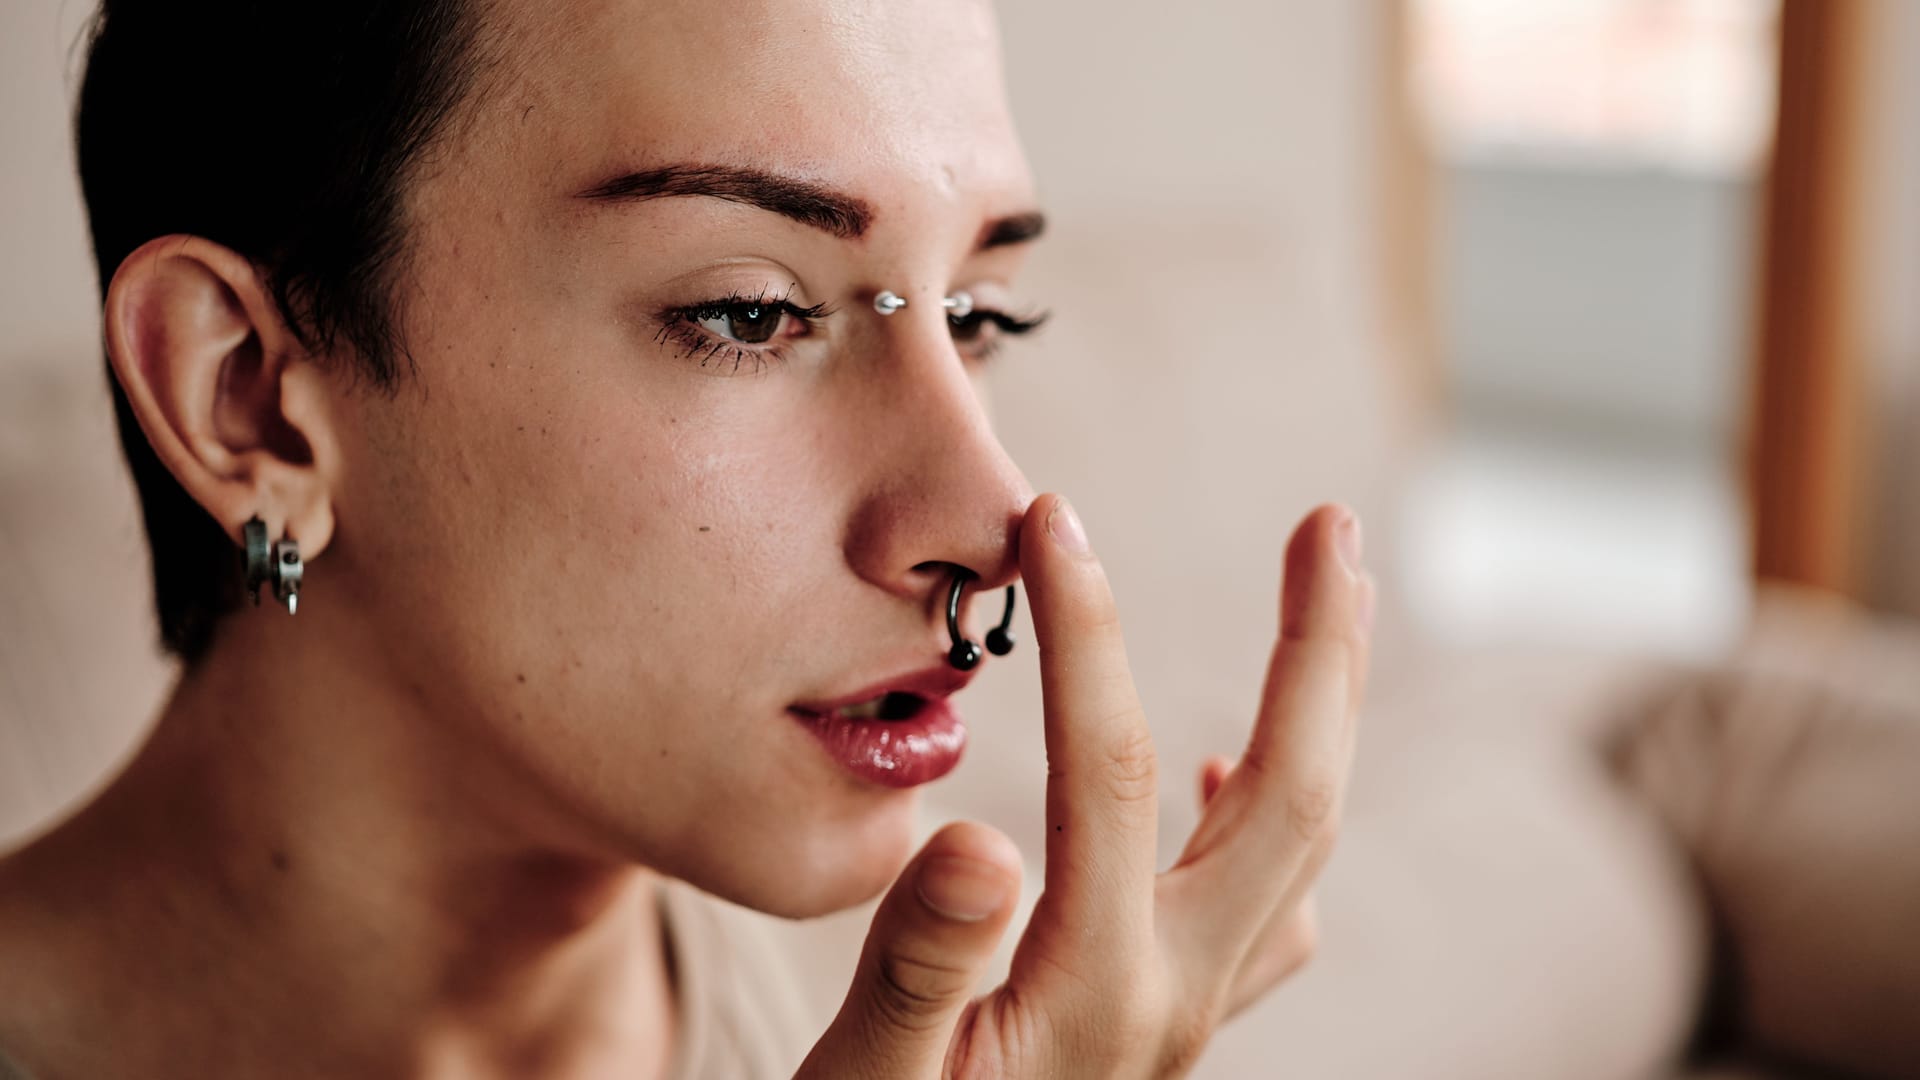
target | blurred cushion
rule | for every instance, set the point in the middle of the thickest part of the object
(1793, 777)
(1499, 908)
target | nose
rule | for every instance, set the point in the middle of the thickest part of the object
(943, 494)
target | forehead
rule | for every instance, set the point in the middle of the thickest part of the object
(893, 101)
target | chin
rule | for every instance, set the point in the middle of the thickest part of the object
(807, 867)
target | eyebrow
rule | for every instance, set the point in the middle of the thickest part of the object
(804, 201)
(1013, 229)
(808, 202)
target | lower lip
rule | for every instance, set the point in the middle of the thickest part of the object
(894, 753)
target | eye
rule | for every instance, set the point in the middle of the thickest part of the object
(728, 333)
(751, 322)
(978, 332)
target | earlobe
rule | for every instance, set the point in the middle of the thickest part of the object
(221, 387)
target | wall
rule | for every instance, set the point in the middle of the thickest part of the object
(1891, 247)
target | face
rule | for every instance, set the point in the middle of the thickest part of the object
(664, 473)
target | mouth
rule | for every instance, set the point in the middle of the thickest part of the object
(892, 705)
(900, 733)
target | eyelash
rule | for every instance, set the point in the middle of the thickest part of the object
(1004, 324)
(681, 326)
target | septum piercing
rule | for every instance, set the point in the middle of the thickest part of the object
(965, 654)
(960, 304)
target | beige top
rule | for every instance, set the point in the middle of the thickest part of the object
(741, 1015)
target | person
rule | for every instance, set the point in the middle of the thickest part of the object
(600, 386)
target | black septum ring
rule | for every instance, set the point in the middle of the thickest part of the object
(965, 654)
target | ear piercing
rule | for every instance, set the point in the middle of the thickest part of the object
(277, 564)
(960, 304)
(965, 654)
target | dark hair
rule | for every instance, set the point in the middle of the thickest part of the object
(286, 132)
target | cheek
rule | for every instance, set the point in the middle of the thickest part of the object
(587, 542)
(615, 599)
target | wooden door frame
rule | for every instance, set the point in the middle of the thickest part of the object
(1806, 447)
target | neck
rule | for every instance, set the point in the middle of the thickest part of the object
(311, 848)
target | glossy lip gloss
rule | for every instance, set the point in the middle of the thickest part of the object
(895, 753)
(899, 731)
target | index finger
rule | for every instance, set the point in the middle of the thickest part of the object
(1102, 776)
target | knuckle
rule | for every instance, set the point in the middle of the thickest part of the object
(1329, 836)
(1131, 765)
(1100, 619)
(1311, 806)
(911, 994)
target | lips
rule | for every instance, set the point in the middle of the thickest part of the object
(898, 732)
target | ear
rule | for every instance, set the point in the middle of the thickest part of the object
(227, 394)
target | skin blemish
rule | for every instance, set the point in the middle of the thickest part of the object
(520, 676)
(706, 528)
(281, 862)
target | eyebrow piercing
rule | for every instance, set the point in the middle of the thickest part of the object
(960, 304)
(965, 654)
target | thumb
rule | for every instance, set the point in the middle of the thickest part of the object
(930, 942)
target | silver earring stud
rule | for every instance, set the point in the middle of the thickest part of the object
(277, 564)
(959, 305)
(889, 302)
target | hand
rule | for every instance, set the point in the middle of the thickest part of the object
(1122, 971)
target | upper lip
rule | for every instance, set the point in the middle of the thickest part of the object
(936, 681)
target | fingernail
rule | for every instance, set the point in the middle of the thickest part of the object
(1064, 525)
(1346, 540)
(962, 889)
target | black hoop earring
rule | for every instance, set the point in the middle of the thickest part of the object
(965, 654)
(277, 564)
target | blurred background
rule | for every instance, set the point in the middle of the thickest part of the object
(1603, 314)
